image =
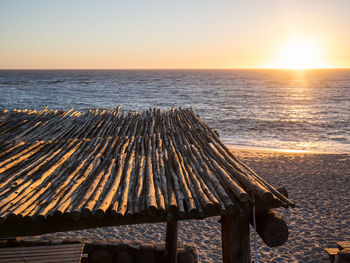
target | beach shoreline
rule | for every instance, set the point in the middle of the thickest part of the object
(318, 183)
(244, 148)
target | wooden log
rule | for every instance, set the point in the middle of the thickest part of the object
(243, 179)
(343, 245)
(26, 168)
(181, 173)
(14, 160)
(171, 242)
(89, 165)
(140, 174)
(94, 190)
(4, 152)
(283, 191)
(29, 200)
(55, 129)
(172, 208)
(8, 119)
(89, 122)
(199, 196)
(60, 184)
(143, 205)
(89, 126)
(259, 182)
(272, 229)
(29, 184)
(18, 173)
(235, 238)
(96, 130)
(57, 183)
(203, 182)
(82, 168)
(79, 126)
(230, 182)
(105, 116)
(133, 179)
(122, 208)
(161, 170)
(46, 185)
(215, 182)
(177, 190)
(48, 173)
(255, 176)
(152, 205)
(53, 124)
(120, 204)
(114, 122)
(28, 130)
(112, 197)
(109, 164)
(243, 175)
(261, 205)
(160, 194)
(115, 184)
(187, 174)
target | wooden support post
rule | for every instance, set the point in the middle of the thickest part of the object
(171, 242)
(235, 238)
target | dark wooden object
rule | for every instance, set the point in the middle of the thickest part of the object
(343, 256)
(235, 238)
(343, 244)
(342, 252)
(61, 224)
(55, 253)
(272, 229)
(332, 252)
(171, 242)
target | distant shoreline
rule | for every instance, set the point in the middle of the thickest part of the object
(247, 148)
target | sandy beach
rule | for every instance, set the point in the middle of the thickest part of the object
(318, 183)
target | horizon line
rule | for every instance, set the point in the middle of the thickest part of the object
(233, 68)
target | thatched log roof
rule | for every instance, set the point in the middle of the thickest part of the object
(120, 167)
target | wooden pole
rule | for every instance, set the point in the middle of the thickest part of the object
(235, 238)
(171, 242)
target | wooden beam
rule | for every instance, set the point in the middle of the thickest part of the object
(235, 238)
(171, 242)
(272, 229)
(61, 223)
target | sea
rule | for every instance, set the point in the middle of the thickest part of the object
(288, 110)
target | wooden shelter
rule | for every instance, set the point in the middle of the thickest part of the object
(70, 170)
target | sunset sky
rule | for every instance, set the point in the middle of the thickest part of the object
(174, 34)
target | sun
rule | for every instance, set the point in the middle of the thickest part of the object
(299, 54)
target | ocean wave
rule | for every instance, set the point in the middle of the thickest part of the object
(56, 81)
(14, 82)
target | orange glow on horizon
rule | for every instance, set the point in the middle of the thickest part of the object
(300, 54)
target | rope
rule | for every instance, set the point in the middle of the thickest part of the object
(255, 241)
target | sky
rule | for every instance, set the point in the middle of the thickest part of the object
(84, 34)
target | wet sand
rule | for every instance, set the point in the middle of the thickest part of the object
(318, 183)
